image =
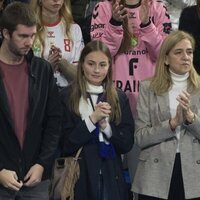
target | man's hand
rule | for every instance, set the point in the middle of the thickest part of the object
(9, 180)
(34, 175)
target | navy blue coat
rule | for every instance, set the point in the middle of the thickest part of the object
(75, 135)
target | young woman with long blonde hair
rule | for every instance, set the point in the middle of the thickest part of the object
(58, 38)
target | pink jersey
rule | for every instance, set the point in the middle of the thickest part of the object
(138, 63)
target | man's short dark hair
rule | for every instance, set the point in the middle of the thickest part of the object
(17, 13)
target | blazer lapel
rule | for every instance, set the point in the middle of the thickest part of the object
(163, 103)
(195, 101)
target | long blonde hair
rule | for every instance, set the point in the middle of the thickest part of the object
(65, 14)
(79, 85)
(161, 81)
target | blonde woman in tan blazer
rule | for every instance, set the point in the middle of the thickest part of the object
(168, 125)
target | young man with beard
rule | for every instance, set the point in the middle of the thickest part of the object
(30, 111)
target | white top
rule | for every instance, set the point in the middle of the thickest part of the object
(179, 85)
(71, 49)
(86, 109)
(91, 127)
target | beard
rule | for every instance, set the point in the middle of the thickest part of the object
(16, 51)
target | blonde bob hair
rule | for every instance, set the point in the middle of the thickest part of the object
(161, 81)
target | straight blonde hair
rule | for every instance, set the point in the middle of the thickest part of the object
(65, 14)
(161, 82)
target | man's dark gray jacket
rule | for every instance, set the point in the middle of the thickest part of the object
(43, 122)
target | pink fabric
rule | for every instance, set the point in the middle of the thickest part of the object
(139, 62)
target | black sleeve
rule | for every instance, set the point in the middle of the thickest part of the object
(52, 124)
(186, 20)
(74, 130)
(123, 134)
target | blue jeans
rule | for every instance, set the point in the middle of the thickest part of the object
(38, 192)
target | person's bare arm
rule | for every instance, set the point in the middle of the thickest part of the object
(68, 70)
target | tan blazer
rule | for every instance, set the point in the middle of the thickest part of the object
(158, 146)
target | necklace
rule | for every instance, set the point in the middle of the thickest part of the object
(134, 41)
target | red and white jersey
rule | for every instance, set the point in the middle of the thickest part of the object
(138, 63)
(70, 48)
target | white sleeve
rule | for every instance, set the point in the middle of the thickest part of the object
(78, 42)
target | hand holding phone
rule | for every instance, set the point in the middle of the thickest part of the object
(55, 55)
(54, 50)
